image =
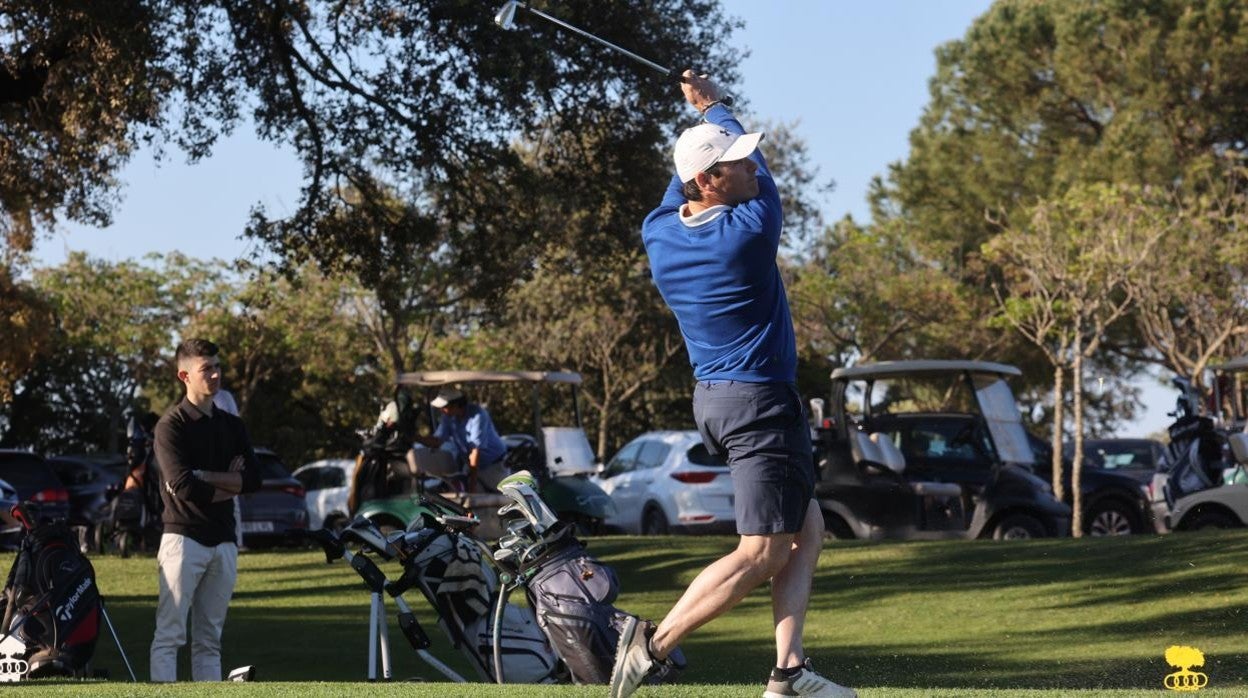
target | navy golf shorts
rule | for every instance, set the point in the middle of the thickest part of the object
(761, 430)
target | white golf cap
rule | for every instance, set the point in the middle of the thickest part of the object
(706, 144)
(446, 396)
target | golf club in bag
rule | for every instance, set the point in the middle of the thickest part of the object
(569, 590)
(452, 570)
(53, 606)
(506, 18)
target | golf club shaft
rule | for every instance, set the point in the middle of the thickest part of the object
(666, 71)
(120, 650)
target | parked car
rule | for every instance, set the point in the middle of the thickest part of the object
(666, 482)
(277, 507)
(35, 482)
(1138, 458)
(1115, 501)
(328, 484)
(930, 449)
(10, 529)
(88, 479)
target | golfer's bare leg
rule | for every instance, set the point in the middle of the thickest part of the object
(721, 586)
(790, 589)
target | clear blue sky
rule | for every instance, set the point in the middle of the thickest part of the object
(852, 74)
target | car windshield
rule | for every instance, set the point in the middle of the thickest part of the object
(985, 394)
(1117, 455)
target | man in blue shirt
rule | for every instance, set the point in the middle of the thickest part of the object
(712, 245)
(470, 431)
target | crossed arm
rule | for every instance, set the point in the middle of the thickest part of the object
(225, 485)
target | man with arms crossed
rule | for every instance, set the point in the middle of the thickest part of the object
(205, 460)
(712, 246)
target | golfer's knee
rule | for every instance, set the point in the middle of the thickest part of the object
(767, 560)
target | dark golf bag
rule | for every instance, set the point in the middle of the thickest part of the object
(571, 593)
(52, 602)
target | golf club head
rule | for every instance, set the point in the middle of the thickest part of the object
(521, 488)
(327, 540)
(506, 17)
(366, 533)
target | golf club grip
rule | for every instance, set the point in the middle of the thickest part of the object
(725, 100)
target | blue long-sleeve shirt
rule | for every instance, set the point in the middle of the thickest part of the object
(719, 276)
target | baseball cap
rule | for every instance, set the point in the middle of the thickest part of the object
(706, 144)
(446, 396)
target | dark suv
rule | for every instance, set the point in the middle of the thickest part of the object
(1115, 502)
(930, 449)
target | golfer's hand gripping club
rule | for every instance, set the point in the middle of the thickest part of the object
(703, 87)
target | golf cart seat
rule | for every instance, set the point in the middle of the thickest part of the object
(1239, 447)
(894, 459)
(865, 450)
(436, 462)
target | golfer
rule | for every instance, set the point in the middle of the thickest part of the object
(205, 460)
(712, 246)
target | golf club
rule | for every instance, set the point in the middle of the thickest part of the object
(506, 18)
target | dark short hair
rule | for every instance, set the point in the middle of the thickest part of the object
(195, 348)
(690, 188)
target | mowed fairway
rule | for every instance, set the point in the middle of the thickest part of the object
(959, 618)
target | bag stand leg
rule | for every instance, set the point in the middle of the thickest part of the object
(503, 593)
(383, 637)
(113, 631)
(378, 635)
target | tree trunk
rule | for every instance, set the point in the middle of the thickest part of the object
(604, 416)
(1059, 376)
(1076, 473)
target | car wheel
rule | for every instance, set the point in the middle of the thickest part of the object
(1209, 519)
(1018, 527)
(653, 522)
(836, 527)
(1111, 519)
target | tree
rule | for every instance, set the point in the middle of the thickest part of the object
(607, 322)
(25, 322)
(1067, 271)
(295, 358)
(1193, 300)
(431, 93)
(112, 332)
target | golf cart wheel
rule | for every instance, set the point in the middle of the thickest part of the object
(653, 522)
(1209, 518)
(1112, 518)
(123, 544)
(1018, 527)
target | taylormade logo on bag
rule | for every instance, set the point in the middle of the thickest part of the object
(66, 610)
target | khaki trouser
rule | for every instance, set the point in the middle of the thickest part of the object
(198, 580)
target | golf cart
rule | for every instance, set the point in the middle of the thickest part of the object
(559, 456)
(1203, 482)
(930, 450)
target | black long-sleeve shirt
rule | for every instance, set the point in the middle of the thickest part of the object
(188, 440)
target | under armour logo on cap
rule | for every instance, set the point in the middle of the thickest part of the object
(706, 144)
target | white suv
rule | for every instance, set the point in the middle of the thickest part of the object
(666, 482)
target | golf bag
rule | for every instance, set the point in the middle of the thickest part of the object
(571, 593)
(462, 587)
(569, 590)
(52, 602)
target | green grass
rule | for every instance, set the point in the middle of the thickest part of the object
(958, 618)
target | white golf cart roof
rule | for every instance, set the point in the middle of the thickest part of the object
(436, 378)
(1239, 364)
(893, 368)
